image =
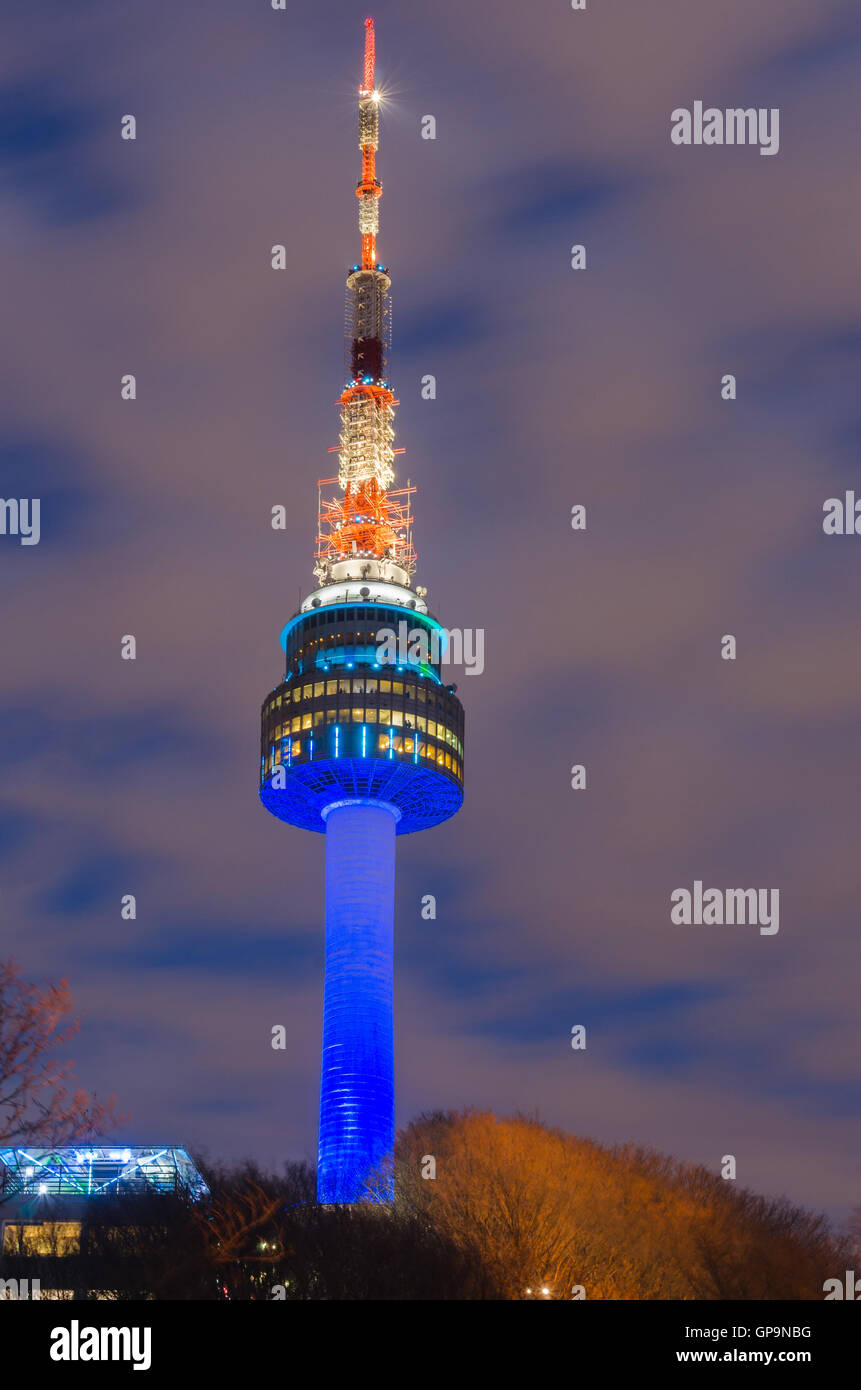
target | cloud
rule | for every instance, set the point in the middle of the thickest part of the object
(554, 388)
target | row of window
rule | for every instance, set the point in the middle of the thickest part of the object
(41, 1238)
(370, 615)
(397, 743)
(346, 685)
(394, 717)
(311, 647)
(61, 1238)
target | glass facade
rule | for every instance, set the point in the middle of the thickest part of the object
(335, 635)
(428, 716)
(341, 716)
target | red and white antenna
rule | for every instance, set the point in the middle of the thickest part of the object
(365, 531)
(369, 189)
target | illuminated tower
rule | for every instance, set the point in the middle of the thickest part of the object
(362, 740)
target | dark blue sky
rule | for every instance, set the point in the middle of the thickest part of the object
(602, 647)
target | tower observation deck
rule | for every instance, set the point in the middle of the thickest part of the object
(362, 740)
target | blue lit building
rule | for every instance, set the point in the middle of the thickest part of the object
(48, 1196)
(362, 741)
(85, 1170)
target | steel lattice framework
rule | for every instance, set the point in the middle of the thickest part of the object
(86, 1171)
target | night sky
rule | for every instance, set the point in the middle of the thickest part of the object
(554, 387)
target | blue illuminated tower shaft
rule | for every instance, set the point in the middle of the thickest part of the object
(357, 1090)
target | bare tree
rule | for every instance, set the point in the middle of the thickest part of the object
(39, 1101)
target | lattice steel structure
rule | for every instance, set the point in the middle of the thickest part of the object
(94, 1171)
(362, 740)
